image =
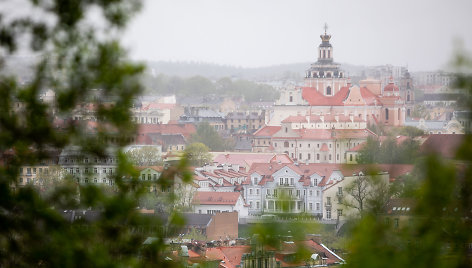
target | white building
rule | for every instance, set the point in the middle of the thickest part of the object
(275, 188)
(216, 202)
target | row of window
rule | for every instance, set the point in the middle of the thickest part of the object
(85, 160)
(30, 171)
(328, 213)
(300, 145)
(89, 170)
(276, 205)
(289, 192)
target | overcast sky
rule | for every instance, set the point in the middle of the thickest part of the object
(420, 34)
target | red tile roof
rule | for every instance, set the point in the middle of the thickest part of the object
(230, 255)
(247, 159)
(267, 131)
(216, 198)
(185, 129)
(315, 98)
(391, 87)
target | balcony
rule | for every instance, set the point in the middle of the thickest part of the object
(328, 205)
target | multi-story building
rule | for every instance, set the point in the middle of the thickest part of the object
(89, 169)
(289, 188)
(246, 122)
(316, 138)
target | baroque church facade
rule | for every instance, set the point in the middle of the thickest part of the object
(328, 91)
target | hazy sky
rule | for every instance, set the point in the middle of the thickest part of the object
(251, 33)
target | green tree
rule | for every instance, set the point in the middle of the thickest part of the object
(198, 154)
(76, 59)
(145, 156)
(438, 233)
(207, 135)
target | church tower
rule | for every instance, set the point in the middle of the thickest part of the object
(325, 75)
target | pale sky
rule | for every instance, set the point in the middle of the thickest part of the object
(420, 34)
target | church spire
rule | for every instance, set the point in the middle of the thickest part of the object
(325, 50)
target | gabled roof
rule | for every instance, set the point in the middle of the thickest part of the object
(247, 159)
(267, 131)
(315, 98)
(185, 129)
(156, 168)
(216, 198)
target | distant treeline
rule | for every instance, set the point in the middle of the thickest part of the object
(200, 86)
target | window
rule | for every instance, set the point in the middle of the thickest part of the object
(317, 206)
(311, 192)
(257, 191)
(286, 144)
(396, 223)
(386, 113)
(104, 171)
(328, 214)
(318, 193)
(311, 206)
(250, 204)
(257, 204)
(286, 181)
(268, 191)
(315, 182)
(143, 177)
(149, 177)
(328, 201)
(340, 190)
(281, 181)
(290, 192)
(95, 170)
(154, 176)
(291, 181)
(328, 90)
(309, 156)
(77, 170)
(275, 192)
(298, 193)
(250, 191)
(300, 156)
(340, 212)
(317, 156)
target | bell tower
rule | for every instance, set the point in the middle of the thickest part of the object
(325, 75)
(325, 49)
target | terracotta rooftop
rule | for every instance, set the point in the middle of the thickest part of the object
(216, 198)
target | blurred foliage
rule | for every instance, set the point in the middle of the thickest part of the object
(388, 152)
(437, 233)
(198, 154)
(82, 62)
(207, 135)
(197, 86)
(145, 156)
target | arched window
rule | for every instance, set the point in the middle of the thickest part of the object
(328, 90)
(386, 113)
(408, 97)
(291, 98)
